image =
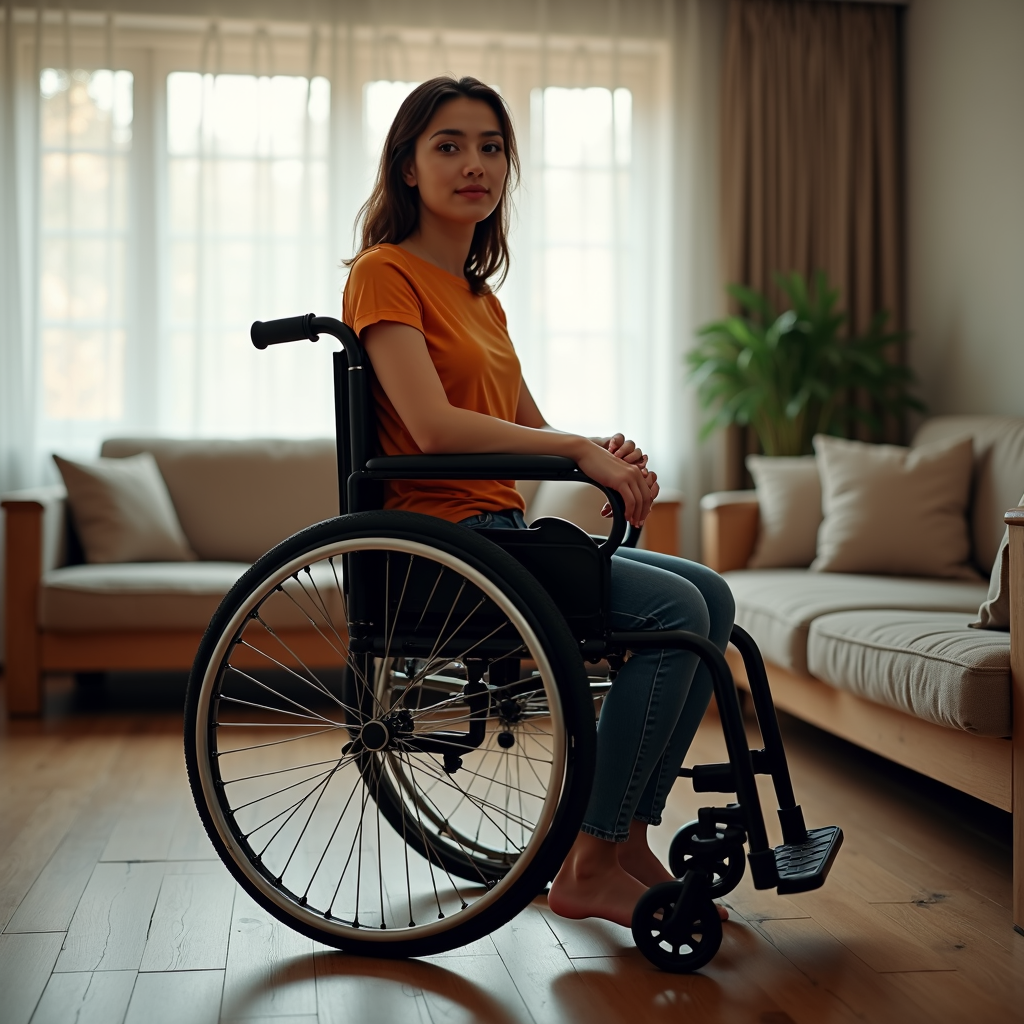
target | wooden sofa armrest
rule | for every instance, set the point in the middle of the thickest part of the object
(34, 542)
(729, 521)
(1015, 521)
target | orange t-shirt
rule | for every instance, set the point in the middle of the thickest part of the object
(469, 345)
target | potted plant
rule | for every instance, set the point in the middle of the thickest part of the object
(794, 374)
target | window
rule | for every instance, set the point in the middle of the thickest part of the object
(247, 215)
(582, 137)
(86, 140)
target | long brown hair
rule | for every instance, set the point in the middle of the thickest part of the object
(392, 212)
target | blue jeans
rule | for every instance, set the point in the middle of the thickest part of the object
(652, 711)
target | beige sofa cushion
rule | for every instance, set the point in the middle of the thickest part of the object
(894, 510)
(165, 595)
(122, 510)
(926, 663)
(237, 499)
(777, 606)
(789, 500)
(998, 472)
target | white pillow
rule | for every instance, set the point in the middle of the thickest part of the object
(122, 511)
(901, 511)
(789, 506)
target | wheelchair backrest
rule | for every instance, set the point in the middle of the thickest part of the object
(564, 559)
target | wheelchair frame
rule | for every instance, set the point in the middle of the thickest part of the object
(675, 924)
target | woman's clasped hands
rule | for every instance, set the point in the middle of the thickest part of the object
(618, 463)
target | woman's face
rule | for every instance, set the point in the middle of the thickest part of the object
(460, 162)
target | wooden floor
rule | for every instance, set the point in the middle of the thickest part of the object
(114, 908)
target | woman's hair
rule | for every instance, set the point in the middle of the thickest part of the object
(392, 212)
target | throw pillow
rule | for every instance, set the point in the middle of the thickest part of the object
(789, 502)
(994, 612)
(122, 511)
(894, 510)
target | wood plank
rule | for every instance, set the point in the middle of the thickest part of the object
(867, 932)
(947, 997)
(801, 1000)
(630, 990)
(176, 997)
(108, 930)
(476, 988)
(543, 974)
(191, 924)
(51, 901)
(25, 965)
(100, 998)
(589, 937)
(25, 857)
(761, 904)
(270, 970)
(991, 966)
(373, 991)
(867, 879)
(979, 765)
(830, 966)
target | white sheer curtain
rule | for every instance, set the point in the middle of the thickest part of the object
(164, 180)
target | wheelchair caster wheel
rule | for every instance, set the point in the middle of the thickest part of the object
(726, 869)
(681, 942)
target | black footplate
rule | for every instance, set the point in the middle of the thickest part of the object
(804, 866)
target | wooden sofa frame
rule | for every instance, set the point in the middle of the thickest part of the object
(33, 651)
(988, 768)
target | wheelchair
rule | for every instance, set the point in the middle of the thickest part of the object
(390, 721)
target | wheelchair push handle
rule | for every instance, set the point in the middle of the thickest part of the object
(278, 332)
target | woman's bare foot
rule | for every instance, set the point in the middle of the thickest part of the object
(637, 858)
(591, 883)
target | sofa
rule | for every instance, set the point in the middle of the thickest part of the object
(234, 500)
(889, 662)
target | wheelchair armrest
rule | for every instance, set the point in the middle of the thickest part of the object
(497, 466)
(469, 467)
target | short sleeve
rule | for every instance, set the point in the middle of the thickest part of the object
(498, 309)
(379, 289)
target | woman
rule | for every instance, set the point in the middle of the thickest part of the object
(448, 380)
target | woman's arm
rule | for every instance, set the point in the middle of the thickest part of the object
(406, 373)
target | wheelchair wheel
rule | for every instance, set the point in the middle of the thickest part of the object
(677, 944)
(726, 869)
(389, 734)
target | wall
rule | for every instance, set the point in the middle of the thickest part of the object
(965, 195)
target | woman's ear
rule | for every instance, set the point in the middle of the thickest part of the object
(409, 173)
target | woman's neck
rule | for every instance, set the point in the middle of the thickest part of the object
(444, 243)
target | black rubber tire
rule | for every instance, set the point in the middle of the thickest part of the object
(699, 942)
(536, 607)
(726, 871)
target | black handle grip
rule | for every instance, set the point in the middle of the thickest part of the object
(277, 332)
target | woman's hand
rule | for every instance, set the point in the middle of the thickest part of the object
(622, 448)
(632, 481)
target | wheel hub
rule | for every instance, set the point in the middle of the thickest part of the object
(375, 735)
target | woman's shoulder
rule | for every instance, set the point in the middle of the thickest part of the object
(377, 258)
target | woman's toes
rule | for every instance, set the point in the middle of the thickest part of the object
(723, 912)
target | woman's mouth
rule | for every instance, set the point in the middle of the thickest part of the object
(472, 191)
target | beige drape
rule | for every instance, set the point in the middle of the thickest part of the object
(811, 169)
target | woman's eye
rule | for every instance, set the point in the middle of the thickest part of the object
(492, 147)
(447, 147)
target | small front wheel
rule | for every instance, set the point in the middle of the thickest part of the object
(726, 865)
(677, 943)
